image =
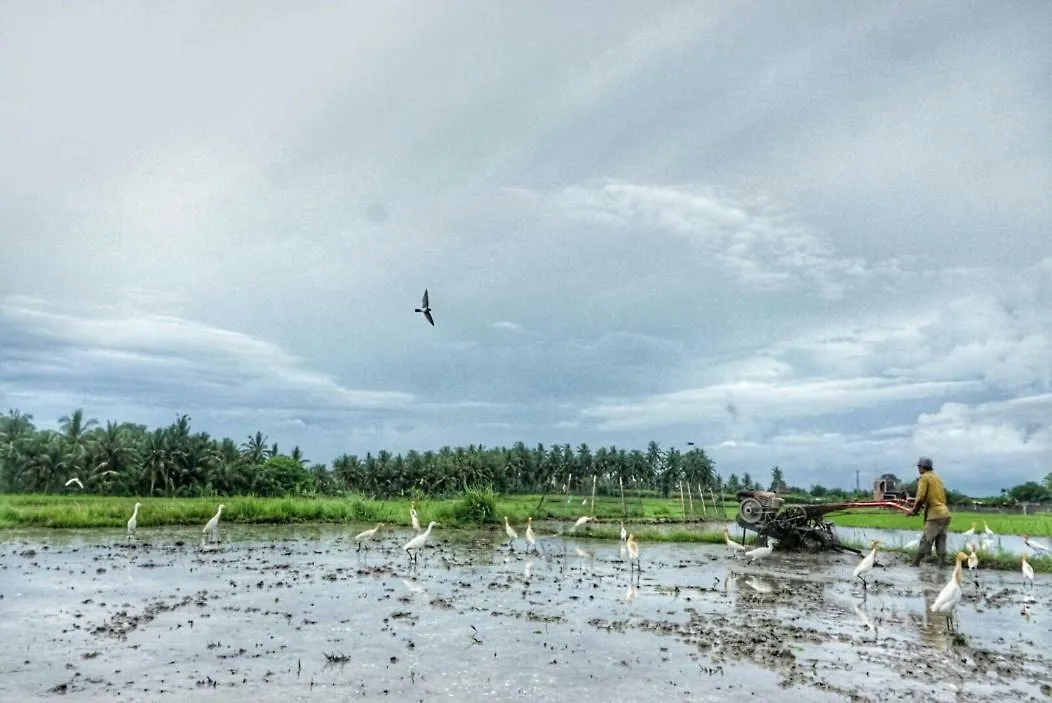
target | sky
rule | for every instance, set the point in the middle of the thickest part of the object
(812, 235)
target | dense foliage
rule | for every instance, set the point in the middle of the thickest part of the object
(129, 459)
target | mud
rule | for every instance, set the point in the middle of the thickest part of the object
(298, 614)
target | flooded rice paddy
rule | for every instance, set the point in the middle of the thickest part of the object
(297, 614)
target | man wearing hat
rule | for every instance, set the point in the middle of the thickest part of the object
(931, 494)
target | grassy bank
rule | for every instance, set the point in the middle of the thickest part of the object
(477, 507)
(1039, 524)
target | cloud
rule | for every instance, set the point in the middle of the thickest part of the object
(164, 361)
(761, 242)
(505, 325)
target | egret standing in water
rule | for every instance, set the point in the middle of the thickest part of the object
(531, 539)
(866, 564)
(761, 552)
(1036, 546)
(736, 547)
(633, 557)
(511, 533)
(413, 547)
(212, 525)
(366, 535)
(413, 517)
(133, 522)
(1028, 571)
(950, 595)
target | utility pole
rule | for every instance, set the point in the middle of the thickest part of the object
(856, 481)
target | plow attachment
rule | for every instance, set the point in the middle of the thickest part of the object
(800, 527)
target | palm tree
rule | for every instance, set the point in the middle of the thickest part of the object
(255, 449)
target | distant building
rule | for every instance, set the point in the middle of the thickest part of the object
(888, 487)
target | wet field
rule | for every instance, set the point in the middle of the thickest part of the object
(297, 614)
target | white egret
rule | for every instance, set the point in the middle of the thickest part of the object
(413, 517)
(213, 524)
(413, 547)
(366, 535)
(970, 531)
(866, 564)
(511, 533)
(987, 530)
(633, 553)
(761, 552)
(1036, 546)
(735, 546)
(133, 522)
(624, 532)
(1028, 571)
(74, 481)
(950, 595)
(973, 558)
(531, 540)
(914, 543)
(582, 520)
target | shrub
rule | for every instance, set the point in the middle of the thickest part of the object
(476, 506)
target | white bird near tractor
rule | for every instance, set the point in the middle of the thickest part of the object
(761, 552)
(973, 558)
(736, 547)
(970, 531)
(624, 532)
(867, 564)
(950, 595)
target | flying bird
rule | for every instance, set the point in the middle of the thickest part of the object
(74, 481)
(1036, 546)
(426, 309)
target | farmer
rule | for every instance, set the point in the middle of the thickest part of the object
(931, 494)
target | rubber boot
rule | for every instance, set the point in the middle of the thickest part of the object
(923, 550)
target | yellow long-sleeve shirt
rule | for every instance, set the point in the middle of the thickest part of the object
(932, 494)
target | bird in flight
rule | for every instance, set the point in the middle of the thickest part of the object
(426, 309)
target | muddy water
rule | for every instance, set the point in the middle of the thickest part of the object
(261, 615)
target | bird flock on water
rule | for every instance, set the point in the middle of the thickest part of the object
(945, 602)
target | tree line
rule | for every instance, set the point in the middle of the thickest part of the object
(121, 458)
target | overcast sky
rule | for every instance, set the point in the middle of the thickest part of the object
(815, 235)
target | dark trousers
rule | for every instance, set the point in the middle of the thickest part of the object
(934, 531)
